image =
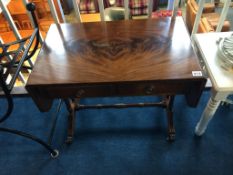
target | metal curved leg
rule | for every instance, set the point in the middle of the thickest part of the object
(54, 152)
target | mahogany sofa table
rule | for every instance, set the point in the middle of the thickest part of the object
(118, 58)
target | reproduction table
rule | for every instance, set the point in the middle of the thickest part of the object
(221, 79)
(118, 58)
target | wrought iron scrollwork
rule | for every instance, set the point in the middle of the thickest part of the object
(11, 63)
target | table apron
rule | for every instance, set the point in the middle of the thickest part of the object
(43, 96)
(116, 90)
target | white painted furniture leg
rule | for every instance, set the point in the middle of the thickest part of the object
(207, 115)
(221, 80)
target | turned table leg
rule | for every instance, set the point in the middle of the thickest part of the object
(207, 115)
(71, 107)
(169, 110)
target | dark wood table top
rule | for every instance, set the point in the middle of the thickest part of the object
(119, 51)
(116, 52)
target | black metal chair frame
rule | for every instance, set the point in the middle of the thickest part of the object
(12, 63)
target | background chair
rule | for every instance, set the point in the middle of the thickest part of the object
(205, 26)
(208, 13)
(11, 63)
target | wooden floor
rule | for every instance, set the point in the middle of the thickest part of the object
(95, 17)
(17, 91)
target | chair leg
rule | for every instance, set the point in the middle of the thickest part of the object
(169, 111)
(54, 152)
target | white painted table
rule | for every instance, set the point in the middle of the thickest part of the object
(222, 80)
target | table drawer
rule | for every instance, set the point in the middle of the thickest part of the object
(155, 88)
(70, 91)
(118, 89)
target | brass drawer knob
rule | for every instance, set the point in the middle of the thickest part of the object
(149, 89)
(80, 93)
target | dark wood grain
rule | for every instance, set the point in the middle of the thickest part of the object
(116, 59)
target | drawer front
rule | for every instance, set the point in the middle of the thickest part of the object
(120, 89)
(155, 88)
(75, 91)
